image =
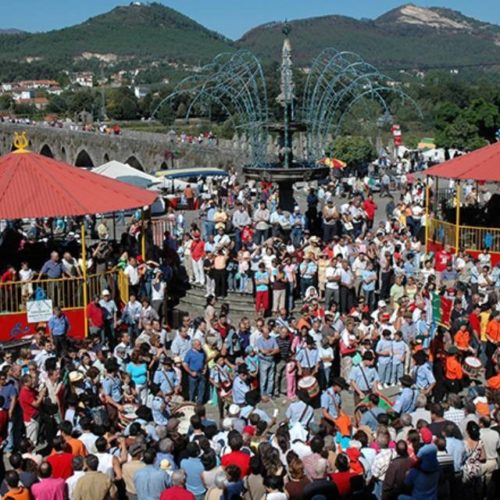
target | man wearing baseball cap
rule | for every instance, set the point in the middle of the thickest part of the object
(241, 386)
(331, 401)
(364, 377)
(408, 397)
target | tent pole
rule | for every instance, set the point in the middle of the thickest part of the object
(84, 276)
(114, 226)
(457, 219)
(427, 219)
(143, 235)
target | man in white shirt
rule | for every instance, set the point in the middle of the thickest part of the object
(87, 437)
(132, 273)
(78, 472)
(491, 442)
(332, 276)
(420, 413)
(346, 288)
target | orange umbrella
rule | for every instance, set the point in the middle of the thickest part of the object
(336, 163)
(332, 163)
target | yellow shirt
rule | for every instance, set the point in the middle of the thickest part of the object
(484, 318)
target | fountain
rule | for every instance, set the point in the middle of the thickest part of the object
(336, 82)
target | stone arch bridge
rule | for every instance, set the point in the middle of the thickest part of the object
(145, 151)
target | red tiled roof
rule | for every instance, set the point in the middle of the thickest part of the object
(33, 185)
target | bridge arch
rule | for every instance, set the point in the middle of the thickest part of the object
(106, 158)
(134, 162)
(46, 151)
(83, 159)
(63, 154)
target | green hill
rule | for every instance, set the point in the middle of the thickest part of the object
(407, 37)
(151, 31)
(137, 35)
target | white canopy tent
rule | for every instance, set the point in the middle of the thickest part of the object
(115, 169)
(124, 172)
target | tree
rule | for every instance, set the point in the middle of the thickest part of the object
(485, 116)
(6, 102)
(444, 114)
(181, 110)
(460, 135)
(166, 114)
(121, 104)
(57, 104)
(81, 100)
(353, 150)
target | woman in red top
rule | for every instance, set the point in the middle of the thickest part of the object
(342, 478)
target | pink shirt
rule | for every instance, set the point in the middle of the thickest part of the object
(49, 489)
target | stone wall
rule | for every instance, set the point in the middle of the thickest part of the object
(142, 150)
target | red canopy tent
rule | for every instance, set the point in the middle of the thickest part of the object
(32, 186)
(480, 165)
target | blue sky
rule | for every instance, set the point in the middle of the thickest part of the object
(230, 17)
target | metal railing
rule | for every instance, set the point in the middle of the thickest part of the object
(477, 238)
(66, 293)
(442, 232)
(470, 238)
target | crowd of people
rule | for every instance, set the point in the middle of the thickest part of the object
(345, 382)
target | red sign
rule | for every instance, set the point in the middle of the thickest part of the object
(397, 135)
(16, 326)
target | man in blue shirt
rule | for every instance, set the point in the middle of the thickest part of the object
(193, 468)
(59, 327)
(300, 411)
(408, 397)
(112, 389)
(159, 408)
(331, 401)
(149, 481)
(308, 358)
(240, 385)
(409, 266)
(52, 268)
(166, 378)
(268, 349)
(369, 417)
(422, 374)
(209, 223)
(399, 352)
(297, 221)
(364, 377)
(384, 353)
(194, 364)
(308, 270)
(455, 447)
(368, 282)
(181, 343)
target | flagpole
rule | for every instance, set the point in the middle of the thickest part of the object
(457, 219)
(427, 220)
(84, 276)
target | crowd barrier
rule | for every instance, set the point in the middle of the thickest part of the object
(470, 238)
(67, 293)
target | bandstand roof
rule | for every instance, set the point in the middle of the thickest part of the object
(480, 165)
(32, 185)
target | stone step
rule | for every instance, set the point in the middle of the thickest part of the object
(197, 294)
(190, 302)
(200, 292)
